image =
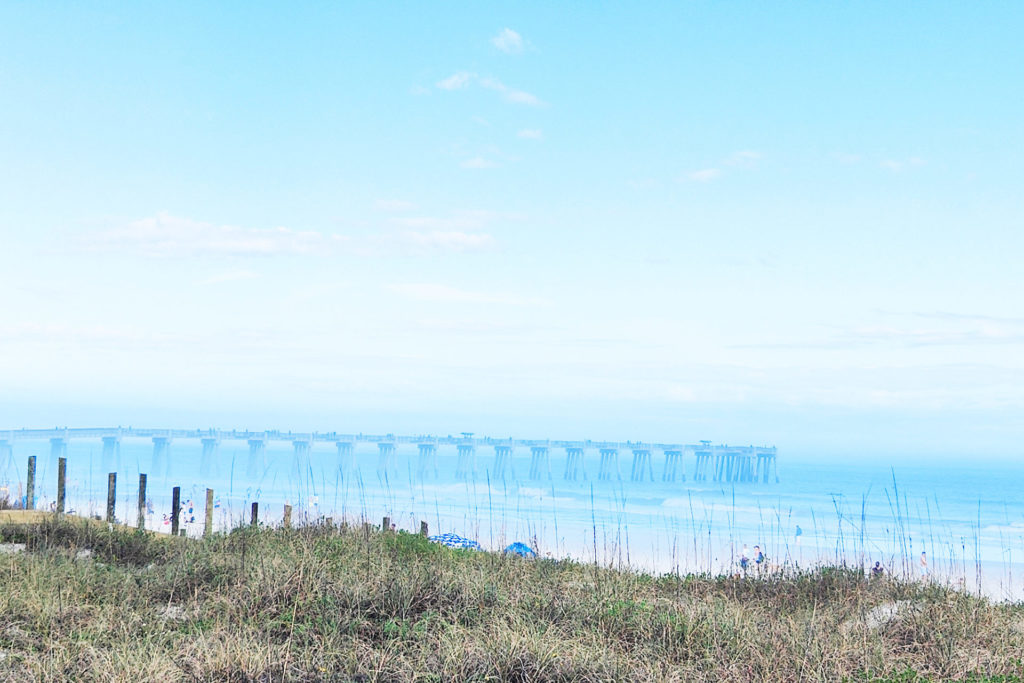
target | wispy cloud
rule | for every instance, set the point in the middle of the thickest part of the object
(973, 317)
(450, 240)
(746, 158)
(461, 231)
(743, 159)
(459, 220)
(444, 294)
(457, 81)
(165, 235)
(531, 134)
(902, 337)
(394, 205)
(511, 94)
(897, 165)
(478, 162)
(508, 41)
(847, 158)
(64, 334)
(463, 79)
(704, 175)
(230, 276)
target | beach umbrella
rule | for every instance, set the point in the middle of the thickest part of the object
(521, 549)
(456, 541)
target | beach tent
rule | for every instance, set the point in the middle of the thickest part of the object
(456, 541)
(521, 549)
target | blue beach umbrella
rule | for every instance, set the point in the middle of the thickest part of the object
(521, 549)
(456, 541)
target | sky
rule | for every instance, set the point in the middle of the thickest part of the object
(796, 224)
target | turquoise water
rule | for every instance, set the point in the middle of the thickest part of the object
(965, 514)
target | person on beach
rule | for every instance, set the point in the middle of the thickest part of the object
(878, 570)
(759, 558)
(744, 560)
(923, 565)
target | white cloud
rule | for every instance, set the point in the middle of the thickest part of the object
(522, 97)
(511, 94)
(531, 134)
(450, 240)
(230, 276)
(744, 159)
(478, 162)
(463, 79)
(445, 294)
(393, 205)
(460, 220)
(900, 165)
(65, 334)
(704, 175)
(456, 81)
(508, 41)
(419, 90)
(167, 235)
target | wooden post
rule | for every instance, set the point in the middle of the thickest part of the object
(423, 530)
(175, 506)
(111, 495)
(329, 523)
(287, 516)
(254, 517)
(142, 501)
(386, 524)
(62, 468)
(208, 528)
(30, 485)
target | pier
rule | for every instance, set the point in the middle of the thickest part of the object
(710, 462)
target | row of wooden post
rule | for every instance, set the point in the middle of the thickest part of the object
(175, 501)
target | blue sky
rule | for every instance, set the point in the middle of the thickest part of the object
(797, 224)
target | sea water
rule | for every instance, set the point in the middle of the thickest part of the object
(966, 515)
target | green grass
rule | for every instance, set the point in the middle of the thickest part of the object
(322, 604)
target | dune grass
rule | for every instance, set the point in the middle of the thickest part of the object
(318, 603)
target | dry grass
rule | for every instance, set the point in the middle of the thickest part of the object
(321, 604)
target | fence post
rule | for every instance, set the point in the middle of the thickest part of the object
(111, 495)
(30, 484)
(62, 468)
(423, 530)
(208, 528)
(287, 516)
(175, 505)
(386, 524)
(254, 517)
(142, 501)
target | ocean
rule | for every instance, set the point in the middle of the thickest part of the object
(966, 514)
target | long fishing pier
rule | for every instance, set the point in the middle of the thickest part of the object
(711, 462)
